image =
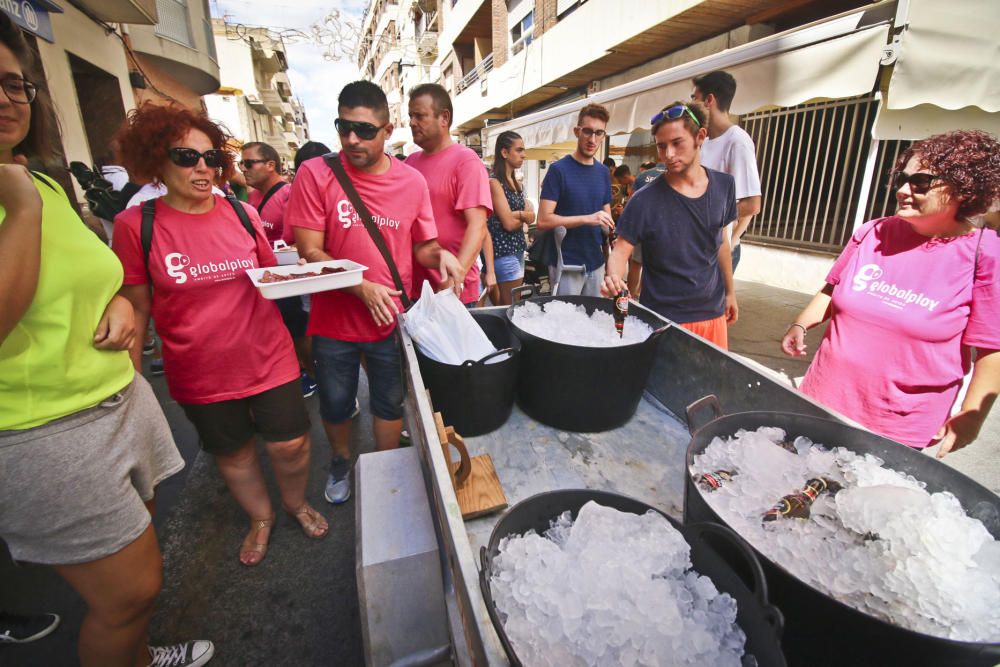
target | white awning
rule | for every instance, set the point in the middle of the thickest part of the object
(947, 71)
(829, 60)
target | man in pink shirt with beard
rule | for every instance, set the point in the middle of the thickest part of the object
(361, 320)
(459, 186)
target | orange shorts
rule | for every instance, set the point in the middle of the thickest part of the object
(714, 330)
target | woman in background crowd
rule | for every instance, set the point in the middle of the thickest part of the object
(511, 212)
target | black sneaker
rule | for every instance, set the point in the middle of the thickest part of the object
(156, 367)
(189, 654)
(18, 629)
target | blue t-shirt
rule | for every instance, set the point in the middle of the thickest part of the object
(680, 237)
(579, 189)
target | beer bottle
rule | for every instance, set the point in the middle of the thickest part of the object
(796, 505)
(621, 311)
(710, 481)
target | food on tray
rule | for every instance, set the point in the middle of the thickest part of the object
(271, 277)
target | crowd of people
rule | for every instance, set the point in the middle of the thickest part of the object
(84, 443)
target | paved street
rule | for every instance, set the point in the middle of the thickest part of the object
(300, 606)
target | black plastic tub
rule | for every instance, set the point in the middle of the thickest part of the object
(585, 389)
(476, 397)
(761, 621)
(820, 630)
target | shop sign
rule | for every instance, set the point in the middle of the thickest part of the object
(30, 16)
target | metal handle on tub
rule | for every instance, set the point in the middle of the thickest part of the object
(710, 402)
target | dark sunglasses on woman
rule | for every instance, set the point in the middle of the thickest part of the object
(920, 182)
(188, 157)
(364, 130)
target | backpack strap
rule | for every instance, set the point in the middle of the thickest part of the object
(270, 193)
(146, 233)
(241, 213)
(149, 215)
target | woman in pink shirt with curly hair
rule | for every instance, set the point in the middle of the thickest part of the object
(914, 302)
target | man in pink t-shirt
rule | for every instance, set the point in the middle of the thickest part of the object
(458, 182)
(261, 166)
(360, 320)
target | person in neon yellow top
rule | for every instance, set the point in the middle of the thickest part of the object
(83, 441)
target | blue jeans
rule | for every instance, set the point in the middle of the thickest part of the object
(337, 365)
(508, 268)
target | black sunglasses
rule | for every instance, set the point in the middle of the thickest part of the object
(188, 157)
(920, 182)
(18, 90)
(364, 130)
(248, 164)
(673, 113)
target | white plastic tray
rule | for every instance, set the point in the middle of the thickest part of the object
(351, 276)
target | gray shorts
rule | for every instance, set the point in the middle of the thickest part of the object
(74, 489)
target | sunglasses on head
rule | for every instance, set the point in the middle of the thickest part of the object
(364, 130)
(920, 182)
(188, 157)
(673, 113)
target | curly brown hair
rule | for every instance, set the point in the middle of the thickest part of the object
(967, 160)
(143, 141)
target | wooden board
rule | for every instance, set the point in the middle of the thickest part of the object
(481, 493)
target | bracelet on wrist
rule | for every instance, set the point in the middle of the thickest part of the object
(801, 326)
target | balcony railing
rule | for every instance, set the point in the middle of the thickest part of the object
(174, 23)
(478, 72)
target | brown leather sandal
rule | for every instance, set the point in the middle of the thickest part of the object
(251, 546)
(312, 522)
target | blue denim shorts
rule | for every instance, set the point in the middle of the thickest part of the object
(337, 365)
(509, 267)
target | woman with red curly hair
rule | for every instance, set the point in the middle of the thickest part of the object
(910, 299)
(228, 358)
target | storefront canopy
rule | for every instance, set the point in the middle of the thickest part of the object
(829, 60)
(945, 74)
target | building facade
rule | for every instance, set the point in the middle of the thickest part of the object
(255, 100)
(101, 58)
(398, 50)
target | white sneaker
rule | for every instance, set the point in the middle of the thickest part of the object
(188, 654)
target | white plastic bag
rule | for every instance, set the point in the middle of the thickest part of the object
(444, 329)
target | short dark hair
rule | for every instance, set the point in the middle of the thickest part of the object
(646, 165)
(266, 151)
(697, 109)
(440, 99)
(308, 151)
(43, 129)
(609, 162)
(593, 111)
(718, 83)
(365, 94)
(622, 170)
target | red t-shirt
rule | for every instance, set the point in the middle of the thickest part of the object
(400, 206)
(273, 215)
(221, 339)
(457, 181)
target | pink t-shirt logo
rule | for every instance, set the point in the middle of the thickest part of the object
(889, 293)
(175, 263)
(866, 274)
(345, 213)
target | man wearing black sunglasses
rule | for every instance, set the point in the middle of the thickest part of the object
(360, 320)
